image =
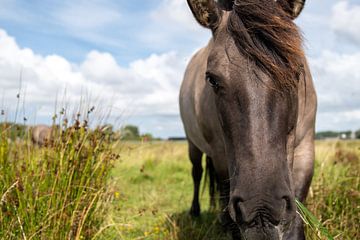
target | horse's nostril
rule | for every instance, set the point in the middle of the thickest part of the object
(236, 210)
(239, 211)
(289, 205)
(260, 212)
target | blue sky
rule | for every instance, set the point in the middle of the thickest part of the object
(71, 29)
(130, 56)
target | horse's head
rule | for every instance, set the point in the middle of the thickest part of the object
(253, 69)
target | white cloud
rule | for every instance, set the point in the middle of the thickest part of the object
(345, 20)
(337, 80)
(342, 121)
(146, 86)
(175, 13)
(171, 25)
(164, 73)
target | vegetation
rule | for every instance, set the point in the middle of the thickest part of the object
(357, 134)
(132, 133)
(86, 185)
(333, 134)
(13, 131)
(59, 191)
(154, 194)
(155, 190)
(335, 192)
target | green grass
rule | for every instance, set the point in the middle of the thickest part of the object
(334, 196)
(71, 190)
(312, 223)
(54, 192)
(154, 192)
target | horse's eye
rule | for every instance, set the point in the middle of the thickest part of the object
(212, 81)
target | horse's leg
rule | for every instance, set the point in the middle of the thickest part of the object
(195, 156)
(303, 170)
(212, 178)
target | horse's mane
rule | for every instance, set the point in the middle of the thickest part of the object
(264, 32)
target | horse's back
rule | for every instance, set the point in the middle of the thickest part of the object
(307, 106)
(40, 134)
(190, 108)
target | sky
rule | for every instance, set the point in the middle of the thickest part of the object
(127, 58)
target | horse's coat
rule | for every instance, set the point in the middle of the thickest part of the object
(41, 134)
(248, 102)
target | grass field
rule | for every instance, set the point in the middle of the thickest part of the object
(154, 191)
(83, 186)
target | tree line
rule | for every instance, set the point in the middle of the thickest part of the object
(336, 134)
(132, 133)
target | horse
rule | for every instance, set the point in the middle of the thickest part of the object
(247, 101)
(41, 134)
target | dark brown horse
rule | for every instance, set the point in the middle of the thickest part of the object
(248, 102)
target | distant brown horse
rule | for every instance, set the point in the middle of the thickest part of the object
(248, 102)
(41, 134)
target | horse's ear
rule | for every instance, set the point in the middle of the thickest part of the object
(294, 7)
(206, 12)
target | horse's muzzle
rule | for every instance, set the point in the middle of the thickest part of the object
(261, 233)
(262, 219)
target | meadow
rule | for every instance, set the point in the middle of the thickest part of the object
(154, 193)
(84, 186)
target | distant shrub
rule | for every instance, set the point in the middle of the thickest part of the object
(13, 130)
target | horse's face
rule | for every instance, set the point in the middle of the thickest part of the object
(258, 126)
(258, 118)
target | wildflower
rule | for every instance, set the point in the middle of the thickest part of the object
(117, 195)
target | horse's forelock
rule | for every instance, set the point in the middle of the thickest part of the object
(266, 34)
